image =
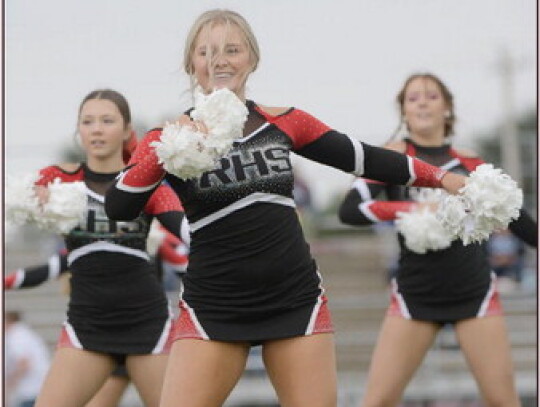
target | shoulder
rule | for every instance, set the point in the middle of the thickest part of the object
(64, 168)
(69, 167)
(274, 111)
(466, 153)
(400, 146)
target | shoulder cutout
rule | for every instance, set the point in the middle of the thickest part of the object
(274, 111)
(398, 146)
(466, 153)
(69, 167)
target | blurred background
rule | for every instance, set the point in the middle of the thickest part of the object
(343, 62)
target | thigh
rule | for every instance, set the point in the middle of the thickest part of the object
(303, 370)
(401, 346)
(110, 394)
(74, 377)
(484, 342)
(202, 373)
(147, 373)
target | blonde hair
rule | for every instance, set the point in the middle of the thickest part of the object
(212, 18)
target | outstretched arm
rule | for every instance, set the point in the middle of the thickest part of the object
(37, 275)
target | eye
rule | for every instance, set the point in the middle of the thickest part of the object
(412, 98)
(86, 122)
(434, 96)
(108, 121)
(232, 50)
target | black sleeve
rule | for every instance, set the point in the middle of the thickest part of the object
(349, 210)
(525, 228)
(37, 275)
(123, 205)
(172, 221)
(340, 151)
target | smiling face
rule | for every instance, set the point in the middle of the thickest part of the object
(221, 58)
(424, 108)
(102, 129)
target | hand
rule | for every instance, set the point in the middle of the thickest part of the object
(452, 182)
(42, 194)
(430, 206)
(195, 125)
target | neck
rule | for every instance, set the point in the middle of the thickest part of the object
(428, 139)
(105, 165)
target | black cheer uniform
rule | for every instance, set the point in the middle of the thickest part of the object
(117, 305)
(251, 276)
(441, 286)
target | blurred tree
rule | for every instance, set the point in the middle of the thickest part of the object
(489, 148)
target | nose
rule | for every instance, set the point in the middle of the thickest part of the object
(96, 127)
(221, 60)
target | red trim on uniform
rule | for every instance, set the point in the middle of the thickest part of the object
(300, 126)
(9, 280)
(394, 310)
(323, 322)
(145, 169)
(64, 341)
(427, 175)
(49, 174)
(468, 162)
(494, 307)
(184, 326)
(164, 199)
(387, 210)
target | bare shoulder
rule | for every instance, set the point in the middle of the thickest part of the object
(69, 167)
(398, 146)
(273, 111)
(466, 152)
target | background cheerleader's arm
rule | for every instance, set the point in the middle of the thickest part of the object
(37, 275)
(134, 186)
(359, 207)
(525, 228)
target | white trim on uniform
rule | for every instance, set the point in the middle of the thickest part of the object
(72, 335)
(450, 164)
(102, 245)
(19, 278)
(316, 308)
(401, 302)
(362, 188)
(364, 208)
(54, 267)
(359, 156)
(410, 164)
(484, 307)
(253, 133)
(162, 341)
(242, 203)
(127, 188)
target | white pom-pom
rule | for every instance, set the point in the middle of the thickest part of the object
(21, 200)
(65, 207)
(422, 231)
(489, 201)
(154, 239)
(187, 153)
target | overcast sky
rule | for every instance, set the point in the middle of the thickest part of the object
(341, 60)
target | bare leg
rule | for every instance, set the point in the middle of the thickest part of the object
(303, 370)
(147, 373)
(110, 393)
(202, 373)
(400, 348)
(74, 377)
(484, 342)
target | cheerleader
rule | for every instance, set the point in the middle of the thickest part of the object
(453, 285)
(251, 278)
(118, 312)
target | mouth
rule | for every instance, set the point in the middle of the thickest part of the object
(97, 143)
(223, 75)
